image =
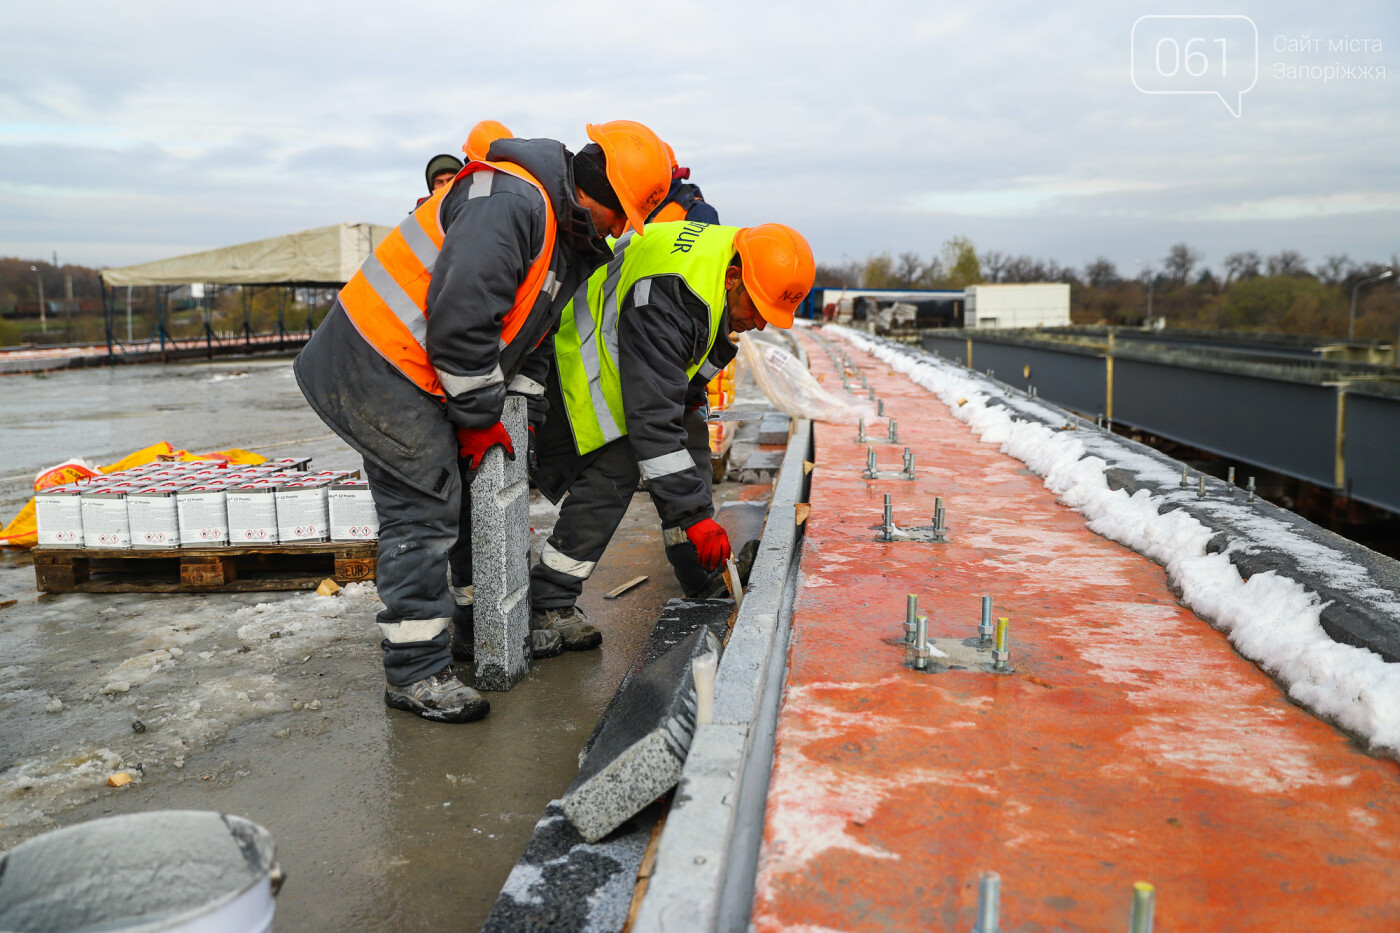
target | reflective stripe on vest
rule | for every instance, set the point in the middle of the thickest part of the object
(585, 347)
(387, 297)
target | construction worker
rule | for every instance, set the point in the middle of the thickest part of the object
(634, 352)
(413, 364)
(441, 170)
(479, 140)
(683, 201)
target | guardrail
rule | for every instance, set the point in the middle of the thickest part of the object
(1314, 421)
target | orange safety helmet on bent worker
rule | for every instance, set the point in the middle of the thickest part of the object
(778, 269)
(387, 297)
(639, 170)
(481, 137)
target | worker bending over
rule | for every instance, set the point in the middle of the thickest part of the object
(413, 364)
(634, 352)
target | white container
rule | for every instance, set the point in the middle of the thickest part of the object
(59, 512)
(252, 514)
(202, 512)
(152, 516)
(352, 513)
(167, 871)
(105, 522)
(302, 514)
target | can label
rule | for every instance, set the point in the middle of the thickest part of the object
(352, 514)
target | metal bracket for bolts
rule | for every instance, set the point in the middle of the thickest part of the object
(937, 533)
(872, 470)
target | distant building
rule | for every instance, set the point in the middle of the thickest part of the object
(1039, 304)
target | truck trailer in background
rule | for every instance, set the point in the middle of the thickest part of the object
(1040, 304)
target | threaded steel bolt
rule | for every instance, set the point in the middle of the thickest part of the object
(860, 432)
(888, 526)
(894, 432)
(1251, 489)
(881, 409)
(1183, 477)
(1201, 486)
(1230, 478)
(870, 462)
(1144, 896)
(988, 903)
(921, 652)
(1000, 654)
(911, 613)
(985, 629)
(872, 393)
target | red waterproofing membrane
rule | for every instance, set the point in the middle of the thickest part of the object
(1131, 742)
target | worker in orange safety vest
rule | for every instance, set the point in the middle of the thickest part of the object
(413, 363)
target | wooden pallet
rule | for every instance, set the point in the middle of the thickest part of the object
(204, 569)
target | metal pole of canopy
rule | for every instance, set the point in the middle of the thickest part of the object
(107, 313)
(247, 291)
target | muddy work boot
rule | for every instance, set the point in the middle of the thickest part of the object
(545, 643)
(574, 630)
(440, 698)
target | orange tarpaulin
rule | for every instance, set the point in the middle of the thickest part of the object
(23, 530)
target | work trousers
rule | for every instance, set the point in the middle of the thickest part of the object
(591, 511)
(424, 544)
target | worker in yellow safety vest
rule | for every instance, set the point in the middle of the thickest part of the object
(634, 352)
(413, 364)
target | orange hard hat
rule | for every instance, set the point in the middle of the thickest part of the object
(672, 154)
(481, 137)
(778, 270)
(639, 170)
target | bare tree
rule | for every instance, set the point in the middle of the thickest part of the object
(993, 265)
(1288, 262)
(1334, 268)
(1241, 266)
(908, 270)
(1181, 259)
(1101, 273)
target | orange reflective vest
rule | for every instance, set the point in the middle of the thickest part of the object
(668, 212)
(387, 298)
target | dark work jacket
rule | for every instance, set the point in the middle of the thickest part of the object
(657, 342)
(487, 247)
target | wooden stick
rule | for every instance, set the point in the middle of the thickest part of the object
(615, 593)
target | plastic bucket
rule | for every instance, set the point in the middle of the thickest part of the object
(190, 871)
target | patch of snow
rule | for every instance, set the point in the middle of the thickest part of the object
(1271, 619)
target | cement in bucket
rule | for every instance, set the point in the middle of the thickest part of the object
(189, 871)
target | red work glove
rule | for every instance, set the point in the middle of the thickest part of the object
(474, 444)
(710, 542)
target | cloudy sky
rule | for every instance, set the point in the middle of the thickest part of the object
(142, 130)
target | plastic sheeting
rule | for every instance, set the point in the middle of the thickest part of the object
(323, 256)
(790, 387)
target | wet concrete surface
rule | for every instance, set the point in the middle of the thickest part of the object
(269, 705)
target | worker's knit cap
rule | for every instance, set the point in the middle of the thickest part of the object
(591, 174)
